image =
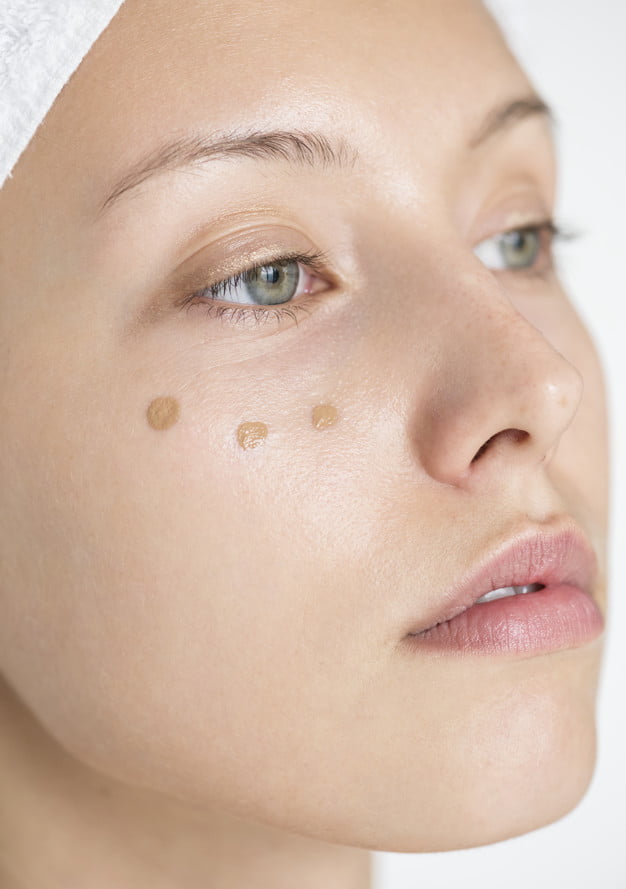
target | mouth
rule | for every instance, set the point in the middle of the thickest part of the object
(532, 596)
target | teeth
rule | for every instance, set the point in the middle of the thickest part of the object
(506, 591)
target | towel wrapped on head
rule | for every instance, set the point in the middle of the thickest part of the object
(42, 42)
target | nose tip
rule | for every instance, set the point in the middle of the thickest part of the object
(513, 412)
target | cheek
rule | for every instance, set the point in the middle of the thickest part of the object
(176, 576)
(190, 593)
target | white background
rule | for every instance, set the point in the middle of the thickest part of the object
(575, 51)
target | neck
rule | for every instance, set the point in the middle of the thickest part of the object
(63, 826)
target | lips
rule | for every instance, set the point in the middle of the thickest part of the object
(558, 612)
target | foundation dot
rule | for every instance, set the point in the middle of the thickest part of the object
(163, 413)
(324, 415)
(251, 435)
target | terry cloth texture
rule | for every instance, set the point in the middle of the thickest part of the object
(42, 42)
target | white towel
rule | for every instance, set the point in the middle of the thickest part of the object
(42, 42)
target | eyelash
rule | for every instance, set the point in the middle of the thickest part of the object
(317, 262)
(313, 261)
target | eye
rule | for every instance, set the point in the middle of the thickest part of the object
(273, 284)
(520, 249)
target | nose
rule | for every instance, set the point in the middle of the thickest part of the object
(501, 393)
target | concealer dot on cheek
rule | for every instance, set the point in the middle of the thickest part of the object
(251, 435)
(163, 413)
(324, 416)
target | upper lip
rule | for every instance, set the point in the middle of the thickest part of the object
(561, 555)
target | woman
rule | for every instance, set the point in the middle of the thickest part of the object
(303, 454)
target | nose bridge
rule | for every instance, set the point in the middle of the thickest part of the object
(501, 388)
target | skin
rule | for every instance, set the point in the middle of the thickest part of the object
(206, 678)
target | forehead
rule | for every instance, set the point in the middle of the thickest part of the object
(429, 68)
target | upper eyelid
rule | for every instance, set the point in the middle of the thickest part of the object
(241, 250)
(559, 230)
(546, 222)
(318, 261)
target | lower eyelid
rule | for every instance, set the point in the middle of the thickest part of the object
(253, 317)
(249, 316)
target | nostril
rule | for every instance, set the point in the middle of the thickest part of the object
(481, 450)
(515, 436)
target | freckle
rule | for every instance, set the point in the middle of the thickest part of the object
(324, 415)
(163, 413)
(251, 435)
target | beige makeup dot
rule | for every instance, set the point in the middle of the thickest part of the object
(251, 435)
(324, 415)
(163, 413)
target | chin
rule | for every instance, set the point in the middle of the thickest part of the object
(495, 812)
(538, 805)
(531, 766)
(504, 748)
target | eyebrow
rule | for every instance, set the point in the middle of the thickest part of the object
(510, 113)
(298, 148)
(295, 147)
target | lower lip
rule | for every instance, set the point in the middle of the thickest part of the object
(551, 619)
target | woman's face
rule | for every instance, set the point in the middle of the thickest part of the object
(213, 595)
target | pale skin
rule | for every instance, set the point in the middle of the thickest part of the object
(202, 644)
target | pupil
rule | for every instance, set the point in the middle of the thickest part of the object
(270, 274)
